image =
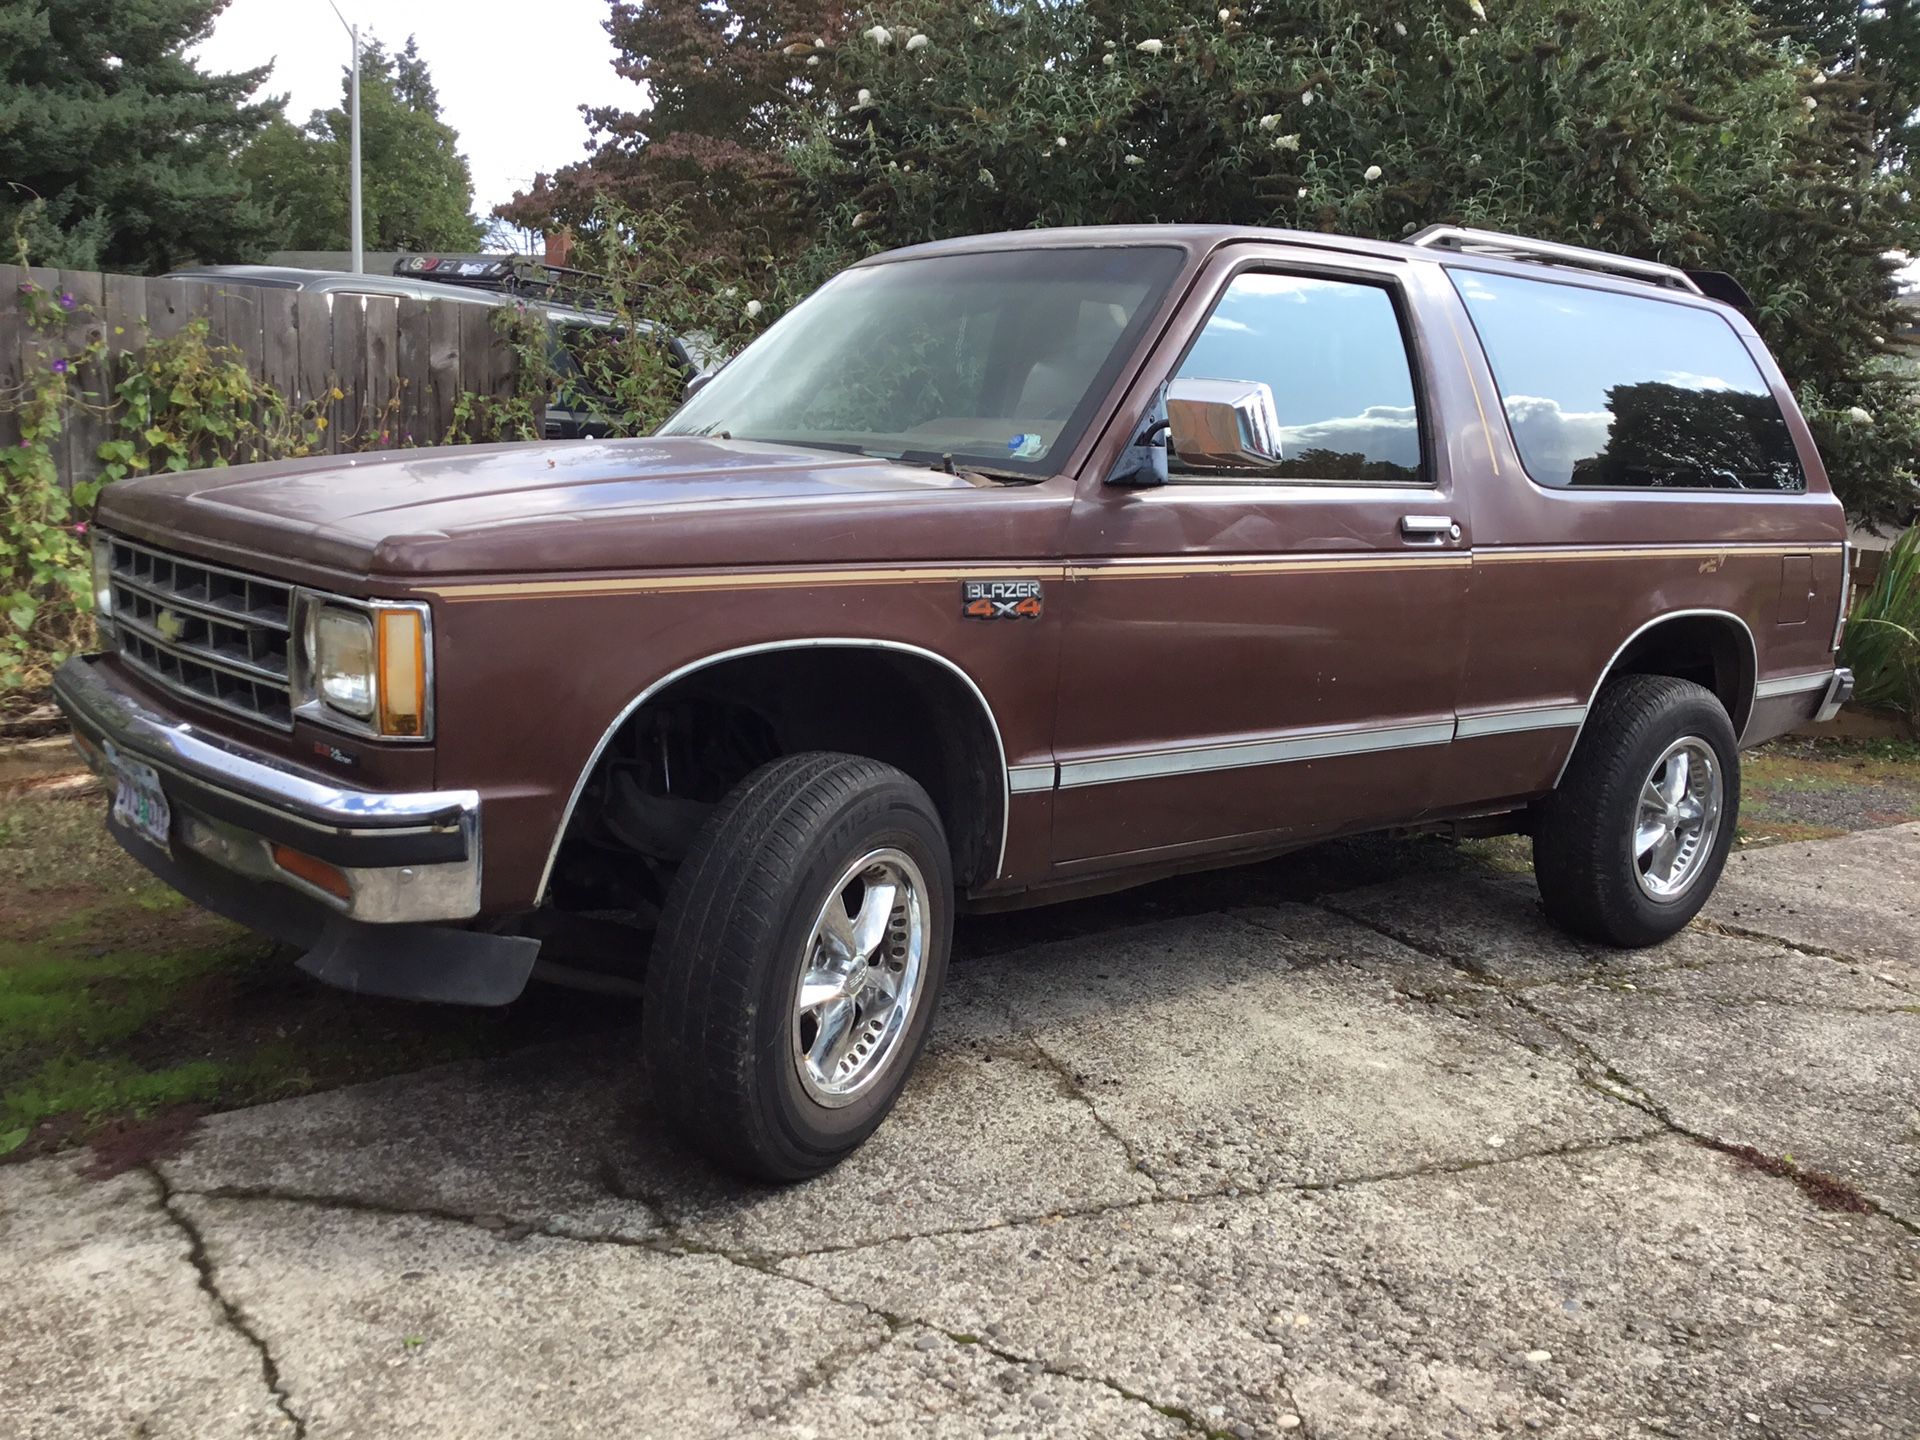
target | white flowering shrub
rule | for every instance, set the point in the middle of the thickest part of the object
(1681, 132)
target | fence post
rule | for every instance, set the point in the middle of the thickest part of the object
(413, 355)
(13, 328)
(348, 372)
(379, 414)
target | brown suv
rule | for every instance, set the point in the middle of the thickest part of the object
(1001, 570)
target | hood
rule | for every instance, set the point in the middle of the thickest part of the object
(564, 505)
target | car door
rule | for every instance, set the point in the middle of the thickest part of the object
(1257, 656)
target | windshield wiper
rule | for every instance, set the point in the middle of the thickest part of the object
(945, 464)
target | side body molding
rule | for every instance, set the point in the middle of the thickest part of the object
(768, 647)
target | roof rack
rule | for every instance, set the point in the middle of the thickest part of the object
(1515, 247)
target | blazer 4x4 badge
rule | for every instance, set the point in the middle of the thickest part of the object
(1001, 599)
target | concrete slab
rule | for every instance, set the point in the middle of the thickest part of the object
(525, 1138)
(1650, 1288)
(986, 1133)
(566, 1139)
(396, 1325)
(105, 1328)
(1228, 1054)
(1257, 1173)
(1790, 1054)
(1493, 926)
(1857, 896)
(923, 1383)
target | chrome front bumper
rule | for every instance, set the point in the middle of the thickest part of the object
(405, 858)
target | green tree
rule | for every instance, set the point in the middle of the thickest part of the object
(130, 145)
(728, 102)
(416, 187)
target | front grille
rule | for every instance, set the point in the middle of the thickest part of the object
(210, 634)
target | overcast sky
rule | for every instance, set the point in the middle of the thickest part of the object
(511, 76)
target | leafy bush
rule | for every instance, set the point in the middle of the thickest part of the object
(180, 403)
(43, 562)
(1882, 645)
(657, 285)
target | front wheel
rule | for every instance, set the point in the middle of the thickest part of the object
(798, 964)
(1631, 844)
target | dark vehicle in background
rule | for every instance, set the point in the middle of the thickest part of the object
(1001, 570)
(570, 415)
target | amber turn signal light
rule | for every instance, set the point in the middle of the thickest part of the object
(401, 653)
(317, 873)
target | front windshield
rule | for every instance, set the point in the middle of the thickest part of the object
(994, 358)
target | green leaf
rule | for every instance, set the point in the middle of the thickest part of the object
(12, 1140)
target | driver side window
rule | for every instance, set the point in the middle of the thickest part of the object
(1317, 374)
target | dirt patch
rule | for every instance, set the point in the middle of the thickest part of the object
(124, 1144)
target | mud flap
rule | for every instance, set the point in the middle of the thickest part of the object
(441, 963)
(422, 962)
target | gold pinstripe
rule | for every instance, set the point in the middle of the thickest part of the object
(740, 580)
(1121, 569)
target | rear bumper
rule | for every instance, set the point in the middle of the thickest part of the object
(1839, 691)
(408, 863)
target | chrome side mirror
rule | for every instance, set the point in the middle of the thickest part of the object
(1223, 425)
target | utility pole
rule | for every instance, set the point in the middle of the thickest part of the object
(353, 204)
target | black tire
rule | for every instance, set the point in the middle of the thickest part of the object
(1583, 851)
(721, 984)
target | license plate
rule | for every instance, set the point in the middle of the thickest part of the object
(138, 801)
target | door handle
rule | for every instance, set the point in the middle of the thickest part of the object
(1429, 529)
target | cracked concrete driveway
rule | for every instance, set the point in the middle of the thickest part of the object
(1400, 1162)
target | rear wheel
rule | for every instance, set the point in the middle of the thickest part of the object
(798, 964)
(1631, 844)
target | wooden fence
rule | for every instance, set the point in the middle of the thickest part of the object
(417, 356)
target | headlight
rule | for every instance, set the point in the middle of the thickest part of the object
(340, 649)
(369, 664)
(103, 582)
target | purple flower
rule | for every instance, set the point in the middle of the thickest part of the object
(67, 302)
(60, 367)
(81, 528)
(26, 287)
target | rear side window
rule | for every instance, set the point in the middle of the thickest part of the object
(1621, 391)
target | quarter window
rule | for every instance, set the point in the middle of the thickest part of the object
(1610, 390)
(1334, 358)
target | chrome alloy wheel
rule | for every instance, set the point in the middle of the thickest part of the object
(861, 977)
(1678, 818)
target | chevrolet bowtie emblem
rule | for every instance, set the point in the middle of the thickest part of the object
(169, 624)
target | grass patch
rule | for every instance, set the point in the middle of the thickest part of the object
(120, 1001)
(1814, 789)
(1833, 764)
